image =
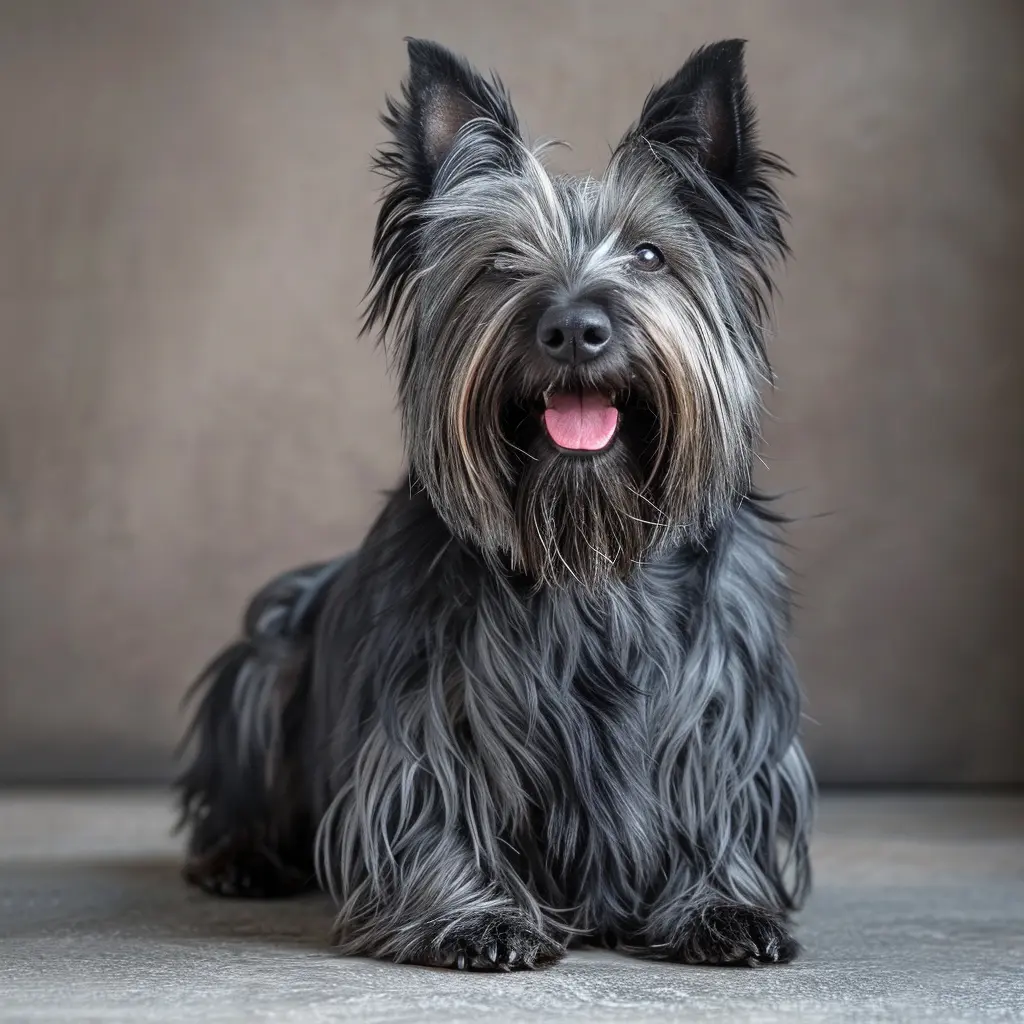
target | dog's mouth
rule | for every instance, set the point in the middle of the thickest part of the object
(582, 420)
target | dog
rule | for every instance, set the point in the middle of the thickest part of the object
(548, 702)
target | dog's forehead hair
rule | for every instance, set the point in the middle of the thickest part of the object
(532, 220)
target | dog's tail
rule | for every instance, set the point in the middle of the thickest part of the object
(248, 706)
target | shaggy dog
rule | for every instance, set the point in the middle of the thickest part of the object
(548, 700)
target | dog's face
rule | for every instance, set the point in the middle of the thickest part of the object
(579, 360)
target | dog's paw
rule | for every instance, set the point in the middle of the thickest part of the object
(239, 870)
(728, 934)
(490, 945)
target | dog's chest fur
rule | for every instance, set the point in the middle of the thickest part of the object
(553, 723)
(589, 760)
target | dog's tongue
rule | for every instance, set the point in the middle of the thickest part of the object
(583, 422)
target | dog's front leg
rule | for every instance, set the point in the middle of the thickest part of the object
(735, 786)
(738, 864)
(731, 887)
(414, 888)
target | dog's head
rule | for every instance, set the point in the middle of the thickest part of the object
(579, 360)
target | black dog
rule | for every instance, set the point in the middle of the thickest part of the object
(548, 700)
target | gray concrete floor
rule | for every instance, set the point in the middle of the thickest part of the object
(918, 914)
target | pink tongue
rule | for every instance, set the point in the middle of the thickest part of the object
(583, 422)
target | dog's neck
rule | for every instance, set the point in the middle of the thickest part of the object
(441, 552)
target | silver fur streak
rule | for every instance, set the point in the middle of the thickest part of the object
(548, 700)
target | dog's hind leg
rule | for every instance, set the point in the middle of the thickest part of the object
(244, 794)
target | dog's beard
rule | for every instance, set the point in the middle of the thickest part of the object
(583, 503)
(586, 515)
(583, 519)
(483, 447)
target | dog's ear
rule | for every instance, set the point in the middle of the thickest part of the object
(441, 95)
(704, 111)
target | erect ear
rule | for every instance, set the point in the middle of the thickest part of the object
(441, 95)
(704, 110)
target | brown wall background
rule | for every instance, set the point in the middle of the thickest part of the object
(185, 212)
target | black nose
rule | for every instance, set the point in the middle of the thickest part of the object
(574, 333)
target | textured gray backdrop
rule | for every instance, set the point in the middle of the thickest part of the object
(185, 211)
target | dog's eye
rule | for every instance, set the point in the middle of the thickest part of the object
(648, 257)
